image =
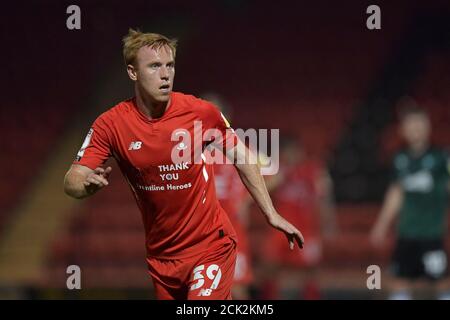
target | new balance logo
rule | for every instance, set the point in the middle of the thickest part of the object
(135, 145)
(204, 293)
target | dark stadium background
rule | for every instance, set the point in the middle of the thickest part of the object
(310, 68)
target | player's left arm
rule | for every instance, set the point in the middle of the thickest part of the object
(271, 182)
(248, 168)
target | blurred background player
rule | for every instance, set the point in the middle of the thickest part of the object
(235, 200)
(417, 196)
(304, 191)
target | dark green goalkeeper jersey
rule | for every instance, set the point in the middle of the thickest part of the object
(424, 180)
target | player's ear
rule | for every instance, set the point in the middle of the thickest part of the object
(131, 72)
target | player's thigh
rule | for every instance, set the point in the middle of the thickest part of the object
(212, 274)
(168, 279)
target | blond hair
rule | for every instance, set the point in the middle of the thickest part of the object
(136, 39)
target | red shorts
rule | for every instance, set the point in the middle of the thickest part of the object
(207, 276)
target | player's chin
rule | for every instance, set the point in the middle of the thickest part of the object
(163, 96)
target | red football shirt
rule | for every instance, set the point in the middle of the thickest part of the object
(180, 211)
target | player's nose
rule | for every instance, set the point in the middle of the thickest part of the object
(164, 73)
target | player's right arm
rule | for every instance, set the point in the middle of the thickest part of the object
(391, 207)
(86, 175)
(81, 181)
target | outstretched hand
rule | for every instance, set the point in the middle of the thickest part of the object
(292, 233)
(97, 179)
